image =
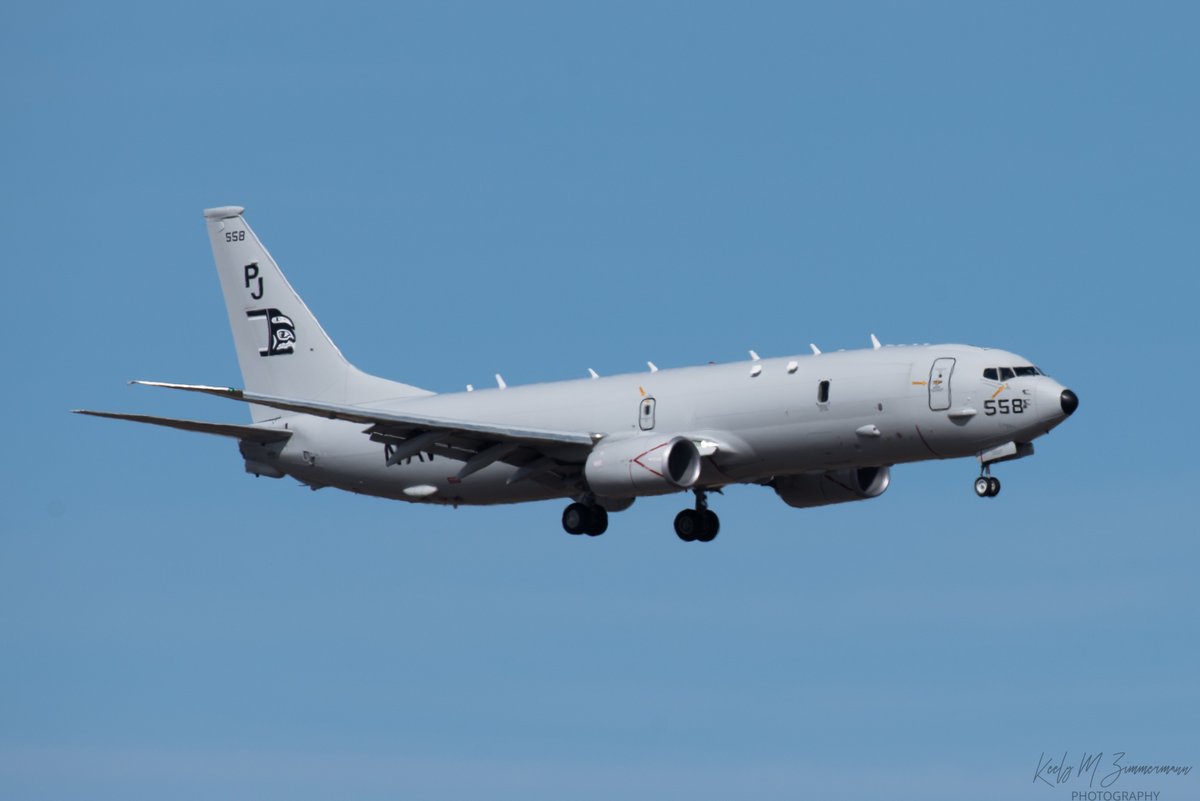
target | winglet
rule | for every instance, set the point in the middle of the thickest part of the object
(875, 342)
(816, 351)
(653, 367)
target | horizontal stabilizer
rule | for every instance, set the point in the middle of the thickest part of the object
(248, 433)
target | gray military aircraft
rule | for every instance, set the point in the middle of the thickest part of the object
(818, 429)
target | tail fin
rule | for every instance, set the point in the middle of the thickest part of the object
(281, 347)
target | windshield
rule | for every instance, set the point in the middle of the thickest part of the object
(1009, 373)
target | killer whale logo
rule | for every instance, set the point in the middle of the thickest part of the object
(281, 332)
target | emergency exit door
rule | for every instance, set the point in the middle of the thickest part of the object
(939, 384)
(646, 414)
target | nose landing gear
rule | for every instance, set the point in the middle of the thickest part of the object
(700, 524)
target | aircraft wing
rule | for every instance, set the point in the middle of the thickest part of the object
(392, 420)
(248, 433)
(546, 454)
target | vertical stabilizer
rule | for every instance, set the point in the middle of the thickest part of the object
(281, 348)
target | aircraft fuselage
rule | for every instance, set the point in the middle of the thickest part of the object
(879, 407)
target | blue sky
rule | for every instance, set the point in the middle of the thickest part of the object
(535, 189)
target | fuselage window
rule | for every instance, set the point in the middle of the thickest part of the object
(1026, 371)
(991, 375)
(823, 392)
(1007, 374)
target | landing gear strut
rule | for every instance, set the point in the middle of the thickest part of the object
(700, 524)
(987, 485)
(582, 518)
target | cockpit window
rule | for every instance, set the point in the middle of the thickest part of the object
(1006, 373)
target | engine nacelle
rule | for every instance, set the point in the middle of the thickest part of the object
(836, 486)
(651, 464)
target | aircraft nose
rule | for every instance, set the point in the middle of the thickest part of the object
(1069, 402)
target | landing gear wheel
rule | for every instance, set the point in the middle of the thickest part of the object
(983, 486)
(993, 486)
(597, 521)
(575, 519)
(582, 518)
(710, 526)
(697, 525)
(688, 525)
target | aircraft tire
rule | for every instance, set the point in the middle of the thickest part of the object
(710, 526)
(597, 522)
(982, 486)
(687, 525)
(575, 518)
(993, 486)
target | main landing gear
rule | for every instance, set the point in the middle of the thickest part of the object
(987, 486)
(691, 525)
(700, 524)
(583, 518)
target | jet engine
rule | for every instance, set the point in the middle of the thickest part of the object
(836, 486)
(650, 464)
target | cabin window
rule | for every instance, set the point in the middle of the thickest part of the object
(991, 374)
(1022, 371)
(1007, 374)
(823, 392)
